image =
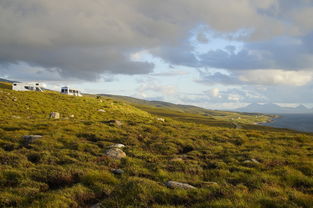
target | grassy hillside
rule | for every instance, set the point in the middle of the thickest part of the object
(193, 113)
(68, 167)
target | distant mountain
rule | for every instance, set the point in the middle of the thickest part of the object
(272, 108)
(5, 80)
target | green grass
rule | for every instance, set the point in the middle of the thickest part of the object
(67, 166)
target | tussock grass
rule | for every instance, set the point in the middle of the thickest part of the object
(67, 167)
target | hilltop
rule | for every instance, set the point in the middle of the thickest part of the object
(78, 160)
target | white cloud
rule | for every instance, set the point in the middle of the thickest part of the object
(234, 97)
(277, 77)
(215, 92)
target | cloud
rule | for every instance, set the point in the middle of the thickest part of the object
(263, 77)
(151, 85)
(84, 39)
(215, 92)
(277, 77)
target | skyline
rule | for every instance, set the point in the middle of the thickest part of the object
(200, 52)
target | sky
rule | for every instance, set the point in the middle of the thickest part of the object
(220, 54)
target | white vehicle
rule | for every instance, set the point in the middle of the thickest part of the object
(23, 86)
(70, 91)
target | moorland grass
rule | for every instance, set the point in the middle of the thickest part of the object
(67, 167)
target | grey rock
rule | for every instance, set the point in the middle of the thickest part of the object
(115, 153)
(118, 171)
(31, 138)
(175, 184)
(101, 110)
(55, 115)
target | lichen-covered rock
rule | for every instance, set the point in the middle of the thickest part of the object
(115, 153)
(175, 184)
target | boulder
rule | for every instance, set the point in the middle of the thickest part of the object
(31, 138)
(119, 146)
(115, 153)
(175, 184)
(55, 115)
(117, 171)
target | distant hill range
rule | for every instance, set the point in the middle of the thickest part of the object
(5, 80)
(271, 108)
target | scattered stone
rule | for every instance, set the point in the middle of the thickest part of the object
(55, 115)
(31, 138)
(115, 153)
(14, 99)
(255, 161)
(16, 117)
(210, 183)
(175, 184)
(161, 119)
(114, 123)
(118, 171)
(119, 146)
(72, 116)
(251, 161)
(101, 110)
